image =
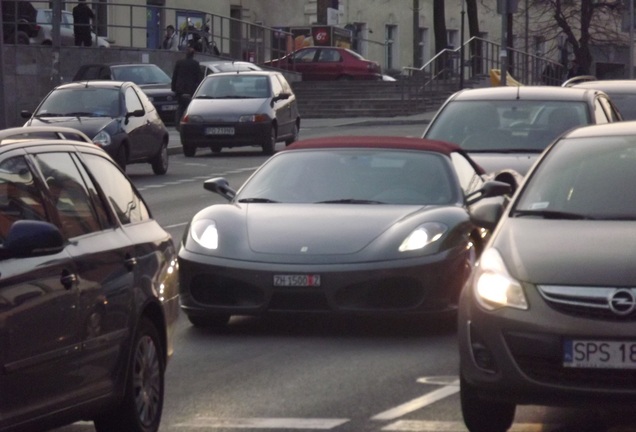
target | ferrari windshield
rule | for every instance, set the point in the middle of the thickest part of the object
(583, 178)
(508, 126)
(349, 176)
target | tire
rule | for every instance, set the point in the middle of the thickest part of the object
(141, 408)
(160, 162)
(210, 321)
(121, 157)
(189, 150)
(270, 145)
(294, 136)
(483, 415)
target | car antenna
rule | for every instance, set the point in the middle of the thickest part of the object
(518, 90)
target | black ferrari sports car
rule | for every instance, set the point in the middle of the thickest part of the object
(354, 225)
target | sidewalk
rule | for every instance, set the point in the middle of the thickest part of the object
(174, 146)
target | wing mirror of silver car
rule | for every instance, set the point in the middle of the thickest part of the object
(220, 186)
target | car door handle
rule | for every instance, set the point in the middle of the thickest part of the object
(130, 262)
(68, 279)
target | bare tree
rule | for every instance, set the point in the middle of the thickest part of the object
(581, 24)
(441, 42)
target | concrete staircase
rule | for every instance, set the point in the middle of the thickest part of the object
(332, 99)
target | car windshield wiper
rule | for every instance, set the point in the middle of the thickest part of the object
(552, 214)
(79, 114)
(256, 200)
(350, 201)
(49, 115)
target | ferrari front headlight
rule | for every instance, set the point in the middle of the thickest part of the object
(204, 232)
(102, 139)
(422, 236)
(494, 286)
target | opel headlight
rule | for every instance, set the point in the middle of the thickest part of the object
(494, 287)
(422, 236)
(204, 232)
(102, 139)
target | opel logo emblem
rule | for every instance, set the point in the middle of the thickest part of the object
(622, 302)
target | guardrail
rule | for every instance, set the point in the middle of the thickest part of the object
(474, 60)
(143, 26)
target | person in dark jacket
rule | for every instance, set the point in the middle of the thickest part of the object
(82, 17)
(186, 76)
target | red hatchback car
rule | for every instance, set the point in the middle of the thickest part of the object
(329, 63)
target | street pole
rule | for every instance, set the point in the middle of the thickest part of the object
(3, 108)
(503, 54)
(461, 50)
(631, 39)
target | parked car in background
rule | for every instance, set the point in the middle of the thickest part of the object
(116, 115)
(88, 293)
(154, 82)
(19, 21)
(622, 93)
(215, 66)
(328, 63)
(344, 225)
(507, 128)
(548, 315)
(44, 35)
(234, 109)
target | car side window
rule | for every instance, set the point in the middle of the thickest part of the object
(132, 100)
(146, 103)
(305, 56)
(609, 109)
(126, 202)
(69, 194)
(599, 112)
(469, 179)
(328, 55)
(19, 196)
(277, 88)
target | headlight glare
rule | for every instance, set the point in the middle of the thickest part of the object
(494, 287)
(102, 139)
(204, 232)
(422, 236)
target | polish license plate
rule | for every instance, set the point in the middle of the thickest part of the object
(169, 107)
(599, 354)
(297, 280)
(219, 131)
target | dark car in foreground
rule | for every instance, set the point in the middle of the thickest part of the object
(154, 82)
(116, 115)
(507, 128)
(343, 225)
(318, 63)
(88, 288)
(238, 109)
(549, 314)
(622, 92)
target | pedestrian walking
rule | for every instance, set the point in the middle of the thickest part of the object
(82, 18)
(170, 42)
(186, 76)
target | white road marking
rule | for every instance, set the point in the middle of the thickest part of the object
(420, 402)
(263, 423)
(439, 426)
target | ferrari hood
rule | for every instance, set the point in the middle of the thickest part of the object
(328, 230)
(89, 125)
(566, 252)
